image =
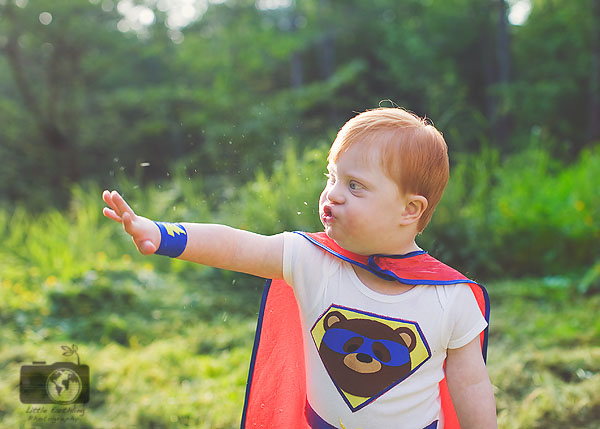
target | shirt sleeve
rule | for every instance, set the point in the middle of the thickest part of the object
(305, 268)
(463, 318)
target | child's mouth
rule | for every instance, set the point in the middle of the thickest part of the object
(327, 215)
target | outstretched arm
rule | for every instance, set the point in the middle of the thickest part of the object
(470, 387)
(208, 244)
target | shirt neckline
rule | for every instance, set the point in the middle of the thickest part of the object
(378, 296)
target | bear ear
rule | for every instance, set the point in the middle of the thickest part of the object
(332, 318)
(408, 336)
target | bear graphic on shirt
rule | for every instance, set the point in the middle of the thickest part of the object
(364, 355)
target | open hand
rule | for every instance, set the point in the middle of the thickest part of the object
(144, 232)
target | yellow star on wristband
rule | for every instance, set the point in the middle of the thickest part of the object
(173, 229)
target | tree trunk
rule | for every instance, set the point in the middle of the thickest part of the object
(501, 121)
(593, 120)
(297, 70)
(64, 161)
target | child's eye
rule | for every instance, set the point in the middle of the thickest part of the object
(355, 186)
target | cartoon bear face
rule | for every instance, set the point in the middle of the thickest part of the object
(363, 356)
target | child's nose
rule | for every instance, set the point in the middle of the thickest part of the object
(335, 193)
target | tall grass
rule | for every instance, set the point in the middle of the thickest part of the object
(168, 343)
(165, 341)
(528, 214)
(544, 357)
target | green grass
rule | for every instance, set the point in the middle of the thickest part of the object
(168, 343)
(179, 355)
(162, 351)
(544, 355)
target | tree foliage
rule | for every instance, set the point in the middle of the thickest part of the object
(83, 97)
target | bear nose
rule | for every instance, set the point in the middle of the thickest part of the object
(363, 357)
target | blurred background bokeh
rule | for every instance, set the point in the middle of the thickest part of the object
(223, 111)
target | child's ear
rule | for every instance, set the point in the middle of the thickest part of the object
(414, 208)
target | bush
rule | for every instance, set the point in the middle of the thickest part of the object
(287, 200)
(169, 342)
(528, 214)
(525, 215)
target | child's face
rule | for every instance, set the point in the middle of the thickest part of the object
(361, 206)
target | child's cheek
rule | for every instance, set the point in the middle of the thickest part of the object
(359, 220)
(323, 196)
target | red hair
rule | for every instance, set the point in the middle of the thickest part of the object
(412, 151)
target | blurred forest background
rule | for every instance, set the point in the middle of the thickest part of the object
(223, 111)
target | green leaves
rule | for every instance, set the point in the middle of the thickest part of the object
(84, 100)
(69, 351)
(527, 214)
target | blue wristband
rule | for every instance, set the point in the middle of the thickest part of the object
(173, 239)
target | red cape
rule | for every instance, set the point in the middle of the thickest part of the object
(276, 387)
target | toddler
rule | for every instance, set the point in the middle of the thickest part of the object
(383, 323)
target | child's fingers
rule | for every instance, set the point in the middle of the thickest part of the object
(128, 224)
(108, 199)
(109, 213)
(136, 226)
(106, 196)
(121, 205)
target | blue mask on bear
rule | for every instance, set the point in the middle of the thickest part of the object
(387, 352)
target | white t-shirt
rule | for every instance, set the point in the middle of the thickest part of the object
(374, 360)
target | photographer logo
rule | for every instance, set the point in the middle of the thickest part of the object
(63, 386)
(61, 383)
